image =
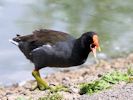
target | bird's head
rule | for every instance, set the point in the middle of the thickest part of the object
(91, 41)
(17, 38)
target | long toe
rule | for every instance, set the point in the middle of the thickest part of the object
(43, 87)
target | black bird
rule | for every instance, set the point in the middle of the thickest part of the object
(55, 49)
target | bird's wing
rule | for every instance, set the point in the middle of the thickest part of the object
(56, 55)
(45, 36)
(60, 49)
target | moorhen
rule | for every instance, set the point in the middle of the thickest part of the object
(55, 49)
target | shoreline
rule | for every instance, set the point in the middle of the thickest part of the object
(71, 78)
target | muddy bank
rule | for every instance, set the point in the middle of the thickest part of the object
(71, 79)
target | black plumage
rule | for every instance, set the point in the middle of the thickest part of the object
(56, 49)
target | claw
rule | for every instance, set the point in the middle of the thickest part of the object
(41, 84)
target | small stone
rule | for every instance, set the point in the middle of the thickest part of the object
(4, 98)
(74, 90)
(81, 78)
(65, 78)
(99, 75)
(85, 73)
(8, 93)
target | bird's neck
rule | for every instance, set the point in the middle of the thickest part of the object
(82, 48)
(79, 53)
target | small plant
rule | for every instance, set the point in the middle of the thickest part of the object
(21, 98)
(106, 81)
(130, 71)
(93, 87)
(115, 77)
(59, 88)
(55, 96)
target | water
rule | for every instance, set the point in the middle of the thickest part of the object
(112, 20)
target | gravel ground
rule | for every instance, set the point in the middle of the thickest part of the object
(118, 92)
(121, 91)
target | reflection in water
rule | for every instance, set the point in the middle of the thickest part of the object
(112, 19)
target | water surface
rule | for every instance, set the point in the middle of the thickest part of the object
(111, 19)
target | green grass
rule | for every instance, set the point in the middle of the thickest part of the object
(54, 96)
(22, 98)
(53, 93)
(58, 88)
(106, 81)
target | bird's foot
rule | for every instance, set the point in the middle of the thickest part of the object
(57, 88)
(52, 89)
(40, 87)
(41, 84)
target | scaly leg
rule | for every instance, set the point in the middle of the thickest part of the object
(42, 85)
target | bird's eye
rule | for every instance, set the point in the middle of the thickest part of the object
(92, 46)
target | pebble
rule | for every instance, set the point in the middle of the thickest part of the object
(74, 90)
(120, 91)
(65, 79)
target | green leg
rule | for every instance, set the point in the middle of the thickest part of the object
(42, 85)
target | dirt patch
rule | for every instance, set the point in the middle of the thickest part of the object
(71, 79)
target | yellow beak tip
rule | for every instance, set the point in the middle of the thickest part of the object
(99, 49)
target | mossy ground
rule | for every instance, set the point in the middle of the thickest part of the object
(106, 81)
(54, 96)
(113, 75)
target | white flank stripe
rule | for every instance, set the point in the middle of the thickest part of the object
(13, 42)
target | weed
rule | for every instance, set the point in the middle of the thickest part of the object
(106, 81)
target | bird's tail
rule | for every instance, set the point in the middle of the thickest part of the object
(13, 42)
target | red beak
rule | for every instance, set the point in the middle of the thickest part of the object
(96, 45)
